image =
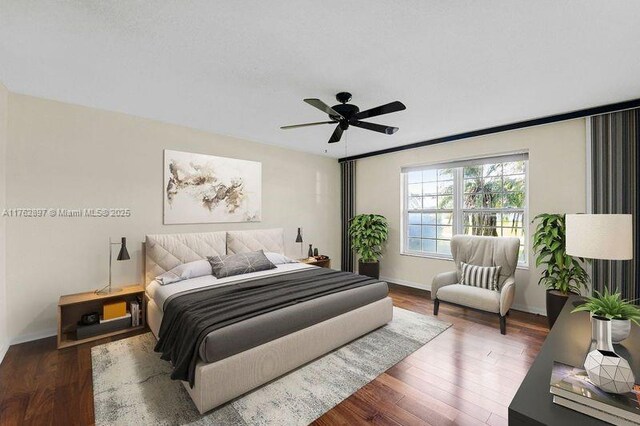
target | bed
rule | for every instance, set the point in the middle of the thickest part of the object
(235, 359)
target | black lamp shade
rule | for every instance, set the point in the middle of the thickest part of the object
(124, 254)
(299, 237)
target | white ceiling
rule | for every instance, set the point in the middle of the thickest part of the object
(242, 68)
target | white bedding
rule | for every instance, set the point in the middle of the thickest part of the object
(159, 293)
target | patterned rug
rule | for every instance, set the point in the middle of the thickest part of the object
(131, 384)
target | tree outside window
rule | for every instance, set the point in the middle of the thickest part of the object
(481, 199)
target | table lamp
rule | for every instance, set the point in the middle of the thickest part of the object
(123, 254)
(600, 236)
(607, 237)
(299, 240)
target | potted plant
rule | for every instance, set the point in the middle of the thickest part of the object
(562, 274)
(368, 233)
(613, 307)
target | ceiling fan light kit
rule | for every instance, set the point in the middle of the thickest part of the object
(345, 115)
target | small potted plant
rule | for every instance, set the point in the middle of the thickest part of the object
(613, 307)
(562, 274)
(368, 233)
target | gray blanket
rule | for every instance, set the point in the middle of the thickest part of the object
(188, 318)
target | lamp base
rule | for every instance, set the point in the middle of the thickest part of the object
(107, 290)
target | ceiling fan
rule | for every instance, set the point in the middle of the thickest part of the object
(346, 115)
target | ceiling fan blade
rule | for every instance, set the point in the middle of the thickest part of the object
(337, 135)
(382, 109)
(293, 126)
(375, 127)
(323, 107)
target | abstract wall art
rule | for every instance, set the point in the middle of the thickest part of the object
(201, 188)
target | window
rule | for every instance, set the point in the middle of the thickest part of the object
(476, 197)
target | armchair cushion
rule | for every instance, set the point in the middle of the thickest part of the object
(480, 276)
(474, 297)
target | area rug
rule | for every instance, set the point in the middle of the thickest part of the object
(131, 384)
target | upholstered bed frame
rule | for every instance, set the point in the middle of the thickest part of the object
(224, 380)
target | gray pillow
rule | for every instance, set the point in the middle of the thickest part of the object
(197, 268)
(239, 263)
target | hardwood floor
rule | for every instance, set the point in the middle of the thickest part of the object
(467, 375)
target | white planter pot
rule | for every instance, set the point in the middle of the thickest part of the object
(620, 330)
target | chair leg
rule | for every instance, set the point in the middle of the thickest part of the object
(436, 306)
(503, 324)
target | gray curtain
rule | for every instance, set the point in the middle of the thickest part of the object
(348, 209)
(615, 145)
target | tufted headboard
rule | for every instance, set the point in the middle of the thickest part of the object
(256, 239)
(164, 252)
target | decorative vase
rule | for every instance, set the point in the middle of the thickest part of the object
(315, 251)
(310, 250)
(606, 369)
(620, 330)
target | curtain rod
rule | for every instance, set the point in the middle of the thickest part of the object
(603, 109)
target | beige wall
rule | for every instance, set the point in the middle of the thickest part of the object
(4, 339)
(556, 184)
(67, 156)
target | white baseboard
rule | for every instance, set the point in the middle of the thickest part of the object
(530, 309)
(425, 286)
(421, 286)
(34, 336)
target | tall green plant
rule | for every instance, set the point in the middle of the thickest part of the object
(561, 272)
(368, 233)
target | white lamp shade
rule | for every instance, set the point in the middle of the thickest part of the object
(600, 236)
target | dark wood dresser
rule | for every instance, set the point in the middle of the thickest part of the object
(569, 342)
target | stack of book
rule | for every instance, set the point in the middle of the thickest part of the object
(572, 388)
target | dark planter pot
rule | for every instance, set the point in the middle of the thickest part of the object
(370, 269)
(555, 303)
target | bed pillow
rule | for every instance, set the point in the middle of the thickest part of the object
(277, 258)
(480, 276)
(239, 263)
(198, 268)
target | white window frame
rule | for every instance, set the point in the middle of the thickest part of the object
(458, 203)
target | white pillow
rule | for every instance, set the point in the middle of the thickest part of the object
(277, 258)
(198, 268)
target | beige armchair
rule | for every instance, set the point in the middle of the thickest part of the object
(482, 251)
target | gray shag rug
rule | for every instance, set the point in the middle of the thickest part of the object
(131, 384)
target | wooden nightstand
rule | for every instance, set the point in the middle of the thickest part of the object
(324, 263)
(71, 308)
